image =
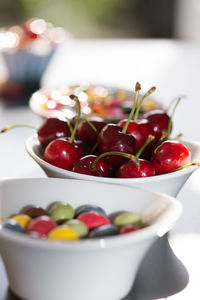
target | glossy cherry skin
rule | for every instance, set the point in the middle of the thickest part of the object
(83, 166)
(140, 130)
(135, 169)
(111, 138)
(86, 133)
(61, 153)
(169, 156)
(51, 129)
(159, 121)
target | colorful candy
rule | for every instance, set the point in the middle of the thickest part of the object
(61, 212)
(93, 219)
(23, 220)
(33, 211)
(63, 232)
(60, 221)
(13, 226)
(127, 218)
(86, 208)
(41, 225)
(79, 227)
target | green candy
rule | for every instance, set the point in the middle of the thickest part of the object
(60, 212)
(128, 218)
(79, 227)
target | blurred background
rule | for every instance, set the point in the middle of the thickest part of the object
(89, 19)
(113, 18)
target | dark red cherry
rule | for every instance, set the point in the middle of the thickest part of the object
(111, 139)
(62, 153)
(86, 133)
(137, 168)
(159, 122)
(169, 156)
(51, 129)
(84, 166)
(140, 130)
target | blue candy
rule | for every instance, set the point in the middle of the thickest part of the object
(13, 226)
(104, 230)
(86, 208)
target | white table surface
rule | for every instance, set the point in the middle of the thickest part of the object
(172, 66)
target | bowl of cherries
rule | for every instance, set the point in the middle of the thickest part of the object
(134, 151)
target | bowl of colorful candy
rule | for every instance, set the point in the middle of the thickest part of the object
(80, 239)
(27, 49)
(97, 101)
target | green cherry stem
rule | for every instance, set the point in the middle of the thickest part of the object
(170, 121)
(69, 125)
(166, 133)
(123, 154)
(75, 98)
(17, 125)
(194, 163)
(148, 140)
(149, 92)
(137, 90)
(172, 102)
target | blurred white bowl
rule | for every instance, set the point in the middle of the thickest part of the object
(103, 268)
(170, 183)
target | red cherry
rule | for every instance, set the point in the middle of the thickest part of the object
(140, 130)
(62, 153)
(137, 168)
(84, 166)
(169, 156)
(51, 129)
(111, 139)
(41, 225)
(159, 122)
(86, 133)
(128, 228)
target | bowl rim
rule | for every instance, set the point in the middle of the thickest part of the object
(159, 228)
(33, 140)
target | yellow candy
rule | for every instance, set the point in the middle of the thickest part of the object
(23, 220)
(62, 233)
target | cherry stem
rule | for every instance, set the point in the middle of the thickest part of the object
(194, 163)
(69, 125)
(148, 140)
(94, 148)
(126, 155)
(172, 102)
(170, 120)
(166, 133)
(89, 123)
(17, 125)
(137, 90)
(149, 92)
(75, 98)
(178, 136)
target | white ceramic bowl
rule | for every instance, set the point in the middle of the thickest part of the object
(170, 183)
(103, 268)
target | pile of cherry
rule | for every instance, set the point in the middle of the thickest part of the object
(60, 221)
(134, 147)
